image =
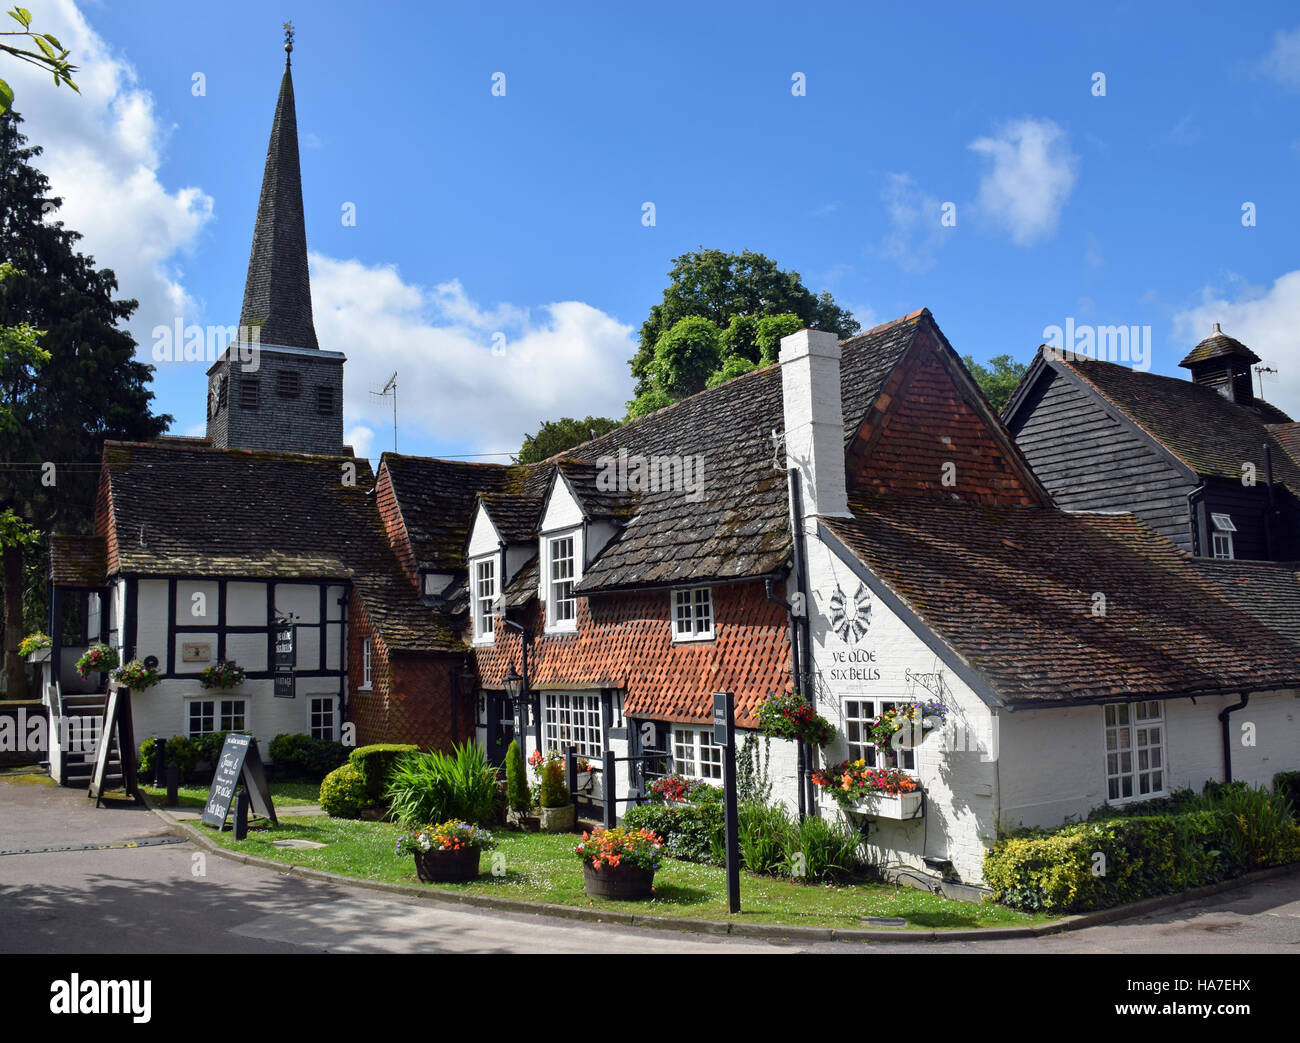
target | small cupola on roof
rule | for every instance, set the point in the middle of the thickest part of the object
(1222, 363)
(289, 394)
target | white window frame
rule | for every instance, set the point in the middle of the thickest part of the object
(1221, 538)
(688, 598)
(695, 754)
(217, 716)
(484, 621)
(859, 747)
(1132, 753)
(554, 624)
(330, 701)
(367, 663)
(573, 719)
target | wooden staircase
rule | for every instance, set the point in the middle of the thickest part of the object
(85, 720)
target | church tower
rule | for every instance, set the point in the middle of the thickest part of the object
(278, 389)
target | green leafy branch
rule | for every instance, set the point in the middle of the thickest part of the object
(51, 55)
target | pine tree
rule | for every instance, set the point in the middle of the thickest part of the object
(90, 389)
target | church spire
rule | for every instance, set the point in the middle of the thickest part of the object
(277, 293)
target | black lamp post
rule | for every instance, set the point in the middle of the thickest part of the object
(520, 691)
(516, 688)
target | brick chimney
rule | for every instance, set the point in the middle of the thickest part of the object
(814, 420)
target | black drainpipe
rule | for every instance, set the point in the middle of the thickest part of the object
(1227, 739)
(801, 629)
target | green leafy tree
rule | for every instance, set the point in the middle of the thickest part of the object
(714, 285)
(555, 436)
(733, 367)
(998, 379)
(770, 330)
(56, 411)
(50, 55)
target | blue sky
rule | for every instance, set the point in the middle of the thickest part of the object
(522, 214)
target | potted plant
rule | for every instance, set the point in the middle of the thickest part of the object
(620, 863)
(225, 674)
(35, 648)
(788, 716)
(558, 812)
(447, 852)
(136, 676)
(98, 657)
(871, 792)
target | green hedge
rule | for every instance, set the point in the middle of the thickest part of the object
(1123, 857)
(692, 833)
(375, 763)
(183, 751)
(300, 754)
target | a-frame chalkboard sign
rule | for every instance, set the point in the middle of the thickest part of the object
(117, 724)
(239, 756)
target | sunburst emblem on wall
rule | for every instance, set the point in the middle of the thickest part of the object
(851, 617)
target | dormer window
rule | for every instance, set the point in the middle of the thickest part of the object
(693, 614)
(485, 598)
(561, 565)
(1222, 536)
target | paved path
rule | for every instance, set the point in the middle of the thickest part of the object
(176, 898)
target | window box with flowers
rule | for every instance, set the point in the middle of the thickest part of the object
(789, 716)
(872, 792)
(35, 648)
(224, 675)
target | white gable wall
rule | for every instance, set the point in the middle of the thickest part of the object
(483, 536)
(562, 510)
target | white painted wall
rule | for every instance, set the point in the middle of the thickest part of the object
(957, 776)
(483, 536)
(561, 511)
(246, 604)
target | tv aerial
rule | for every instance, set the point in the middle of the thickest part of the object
(391, 387)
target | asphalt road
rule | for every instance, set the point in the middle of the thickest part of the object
(176, 898)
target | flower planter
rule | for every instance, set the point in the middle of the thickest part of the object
(559, 820)
(619, 883)
(441, 867)
(900, 806)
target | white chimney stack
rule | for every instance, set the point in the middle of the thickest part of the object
(814, 420)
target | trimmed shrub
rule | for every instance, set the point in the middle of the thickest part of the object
(692, 833)
(343, 792)
(433, 787)
(181, 751)
(300, 754)
(517, 793)
(375, 763)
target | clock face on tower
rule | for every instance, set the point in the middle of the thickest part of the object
(851, 617)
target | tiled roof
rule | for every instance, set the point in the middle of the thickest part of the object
(1218, 345)
(78, 561)
(437, 502)
(1208, 433)
(590, 482)
(1012, 591)
(515, 515)
(192, 510)
(1268, 591)
(1288, 436)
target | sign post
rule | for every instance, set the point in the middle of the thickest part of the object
(724, 734)
(239, 758)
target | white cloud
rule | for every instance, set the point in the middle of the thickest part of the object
(1282, 63)
(467, 375)
(360, 438)
(102, 156)
(915, 233)
(1031, 174)
(1265, 320)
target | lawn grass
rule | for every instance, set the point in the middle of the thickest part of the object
(283, 794)
(541, 867)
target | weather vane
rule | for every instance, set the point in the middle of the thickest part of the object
(288, 37)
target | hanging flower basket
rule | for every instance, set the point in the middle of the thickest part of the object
(906, 726)
(222, 675)
(136, 676)
(96, 658)
(788, 716)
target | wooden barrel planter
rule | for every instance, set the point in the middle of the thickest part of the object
(618, 883)
(445, 867)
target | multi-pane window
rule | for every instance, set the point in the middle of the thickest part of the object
(1135, 750)
(367, 659)
(287, 383)
(696, 754)
(217, 715)
(1221, 538)
(322, 717)
(485, 596)
(572, 719)
(692, 614)
(250, 390)
(858, 717)
(561, 602)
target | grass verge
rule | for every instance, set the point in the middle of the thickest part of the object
(541, 867)
(283, 794)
